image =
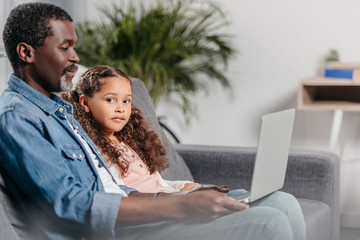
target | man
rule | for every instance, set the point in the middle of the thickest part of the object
(57, 175)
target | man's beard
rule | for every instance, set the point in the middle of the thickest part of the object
(64, 84)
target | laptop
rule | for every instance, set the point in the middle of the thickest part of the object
(272, 155)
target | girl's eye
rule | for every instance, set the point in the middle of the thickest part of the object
(110, 100)
(127, 101)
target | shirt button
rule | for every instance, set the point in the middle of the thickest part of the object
(61, 109)
(76, 127)
(74, 155)
(81, 156)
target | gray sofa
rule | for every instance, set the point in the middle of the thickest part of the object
(312, 177)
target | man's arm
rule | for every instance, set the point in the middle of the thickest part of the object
(199, 206)
(42, 173)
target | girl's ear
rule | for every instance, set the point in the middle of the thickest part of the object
(25, 52)
(84, 103)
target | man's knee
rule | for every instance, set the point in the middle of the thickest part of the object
(270, 223)
(287, 202)
(274, 217)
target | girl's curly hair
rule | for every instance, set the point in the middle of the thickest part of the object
(135, 133)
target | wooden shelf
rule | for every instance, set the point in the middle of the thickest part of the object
(329, 94)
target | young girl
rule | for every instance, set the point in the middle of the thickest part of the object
(134, 154)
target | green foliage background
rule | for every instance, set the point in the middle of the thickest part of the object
(168, 45)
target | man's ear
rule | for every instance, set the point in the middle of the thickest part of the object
(25, 52)
(84, 103)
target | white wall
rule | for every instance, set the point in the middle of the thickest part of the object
(281, 42)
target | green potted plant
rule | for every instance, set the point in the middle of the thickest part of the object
(333, 56)
(168, 45)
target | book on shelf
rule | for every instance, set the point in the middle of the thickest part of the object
(353, 74)
(343, 65)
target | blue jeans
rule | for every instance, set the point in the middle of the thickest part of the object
(275, 217)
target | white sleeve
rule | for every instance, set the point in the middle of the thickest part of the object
(174, 185)
(114, 170)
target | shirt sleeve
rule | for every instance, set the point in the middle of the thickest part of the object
(40, 173)
(127, 189)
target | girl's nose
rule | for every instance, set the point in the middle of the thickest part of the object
(120, 109)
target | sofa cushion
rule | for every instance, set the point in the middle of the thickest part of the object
(177, 169)
(317, 216)
(15, 217)
(6, 229)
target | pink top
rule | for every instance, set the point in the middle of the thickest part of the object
(138, 175)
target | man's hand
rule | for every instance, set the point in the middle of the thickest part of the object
(205, 205)
(209, 204)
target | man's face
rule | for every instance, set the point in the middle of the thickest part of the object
(54, 64)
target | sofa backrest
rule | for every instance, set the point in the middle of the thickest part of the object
(178, 169)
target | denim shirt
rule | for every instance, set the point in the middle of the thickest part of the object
(48, 169)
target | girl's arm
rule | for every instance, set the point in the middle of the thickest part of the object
(177, 185)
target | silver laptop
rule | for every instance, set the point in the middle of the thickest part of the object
(272, 155)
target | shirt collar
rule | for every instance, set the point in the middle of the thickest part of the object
(49, 105)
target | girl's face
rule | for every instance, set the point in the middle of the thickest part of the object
(111, 106)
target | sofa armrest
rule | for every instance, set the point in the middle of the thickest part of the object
(313, 175)
(310, 174)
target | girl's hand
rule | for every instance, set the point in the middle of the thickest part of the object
(188, 186)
